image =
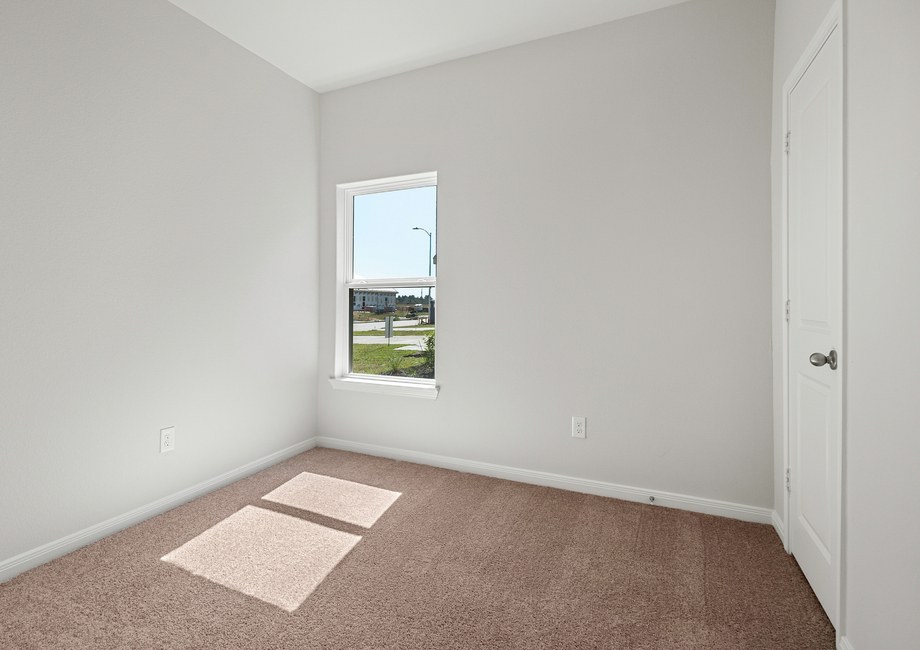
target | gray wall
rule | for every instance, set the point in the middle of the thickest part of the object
(604, 250)
(883, 412)
(157, 260)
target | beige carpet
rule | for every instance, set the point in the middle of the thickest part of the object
(332, 549)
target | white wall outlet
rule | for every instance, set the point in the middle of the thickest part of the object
(167, 439)
(578, 427)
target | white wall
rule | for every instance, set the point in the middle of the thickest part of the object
(883, 411)
(616, 179)
(797, 21)
(157, 260)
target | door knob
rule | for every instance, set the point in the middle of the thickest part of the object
(818, 359)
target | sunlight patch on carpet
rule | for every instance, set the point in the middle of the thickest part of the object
(274, 557)
(353, 503)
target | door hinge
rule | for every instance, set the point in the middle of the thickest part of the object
(788, 138)
(787, 311)
(788, 480)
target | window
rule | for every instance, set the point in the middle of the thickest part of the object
(386, 285)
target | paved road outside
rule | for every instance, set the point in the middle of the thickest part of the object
(398, 342)
(361, 327)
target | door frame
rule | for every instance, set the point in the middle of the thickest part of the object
(833, 21)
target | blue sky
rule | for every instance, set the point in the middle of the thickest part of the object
(385, 246)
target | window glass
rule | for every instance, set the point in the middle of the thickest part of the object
(391, 233)
(409, 351)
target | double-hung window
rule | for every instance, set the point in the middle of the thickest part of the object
(386, 289)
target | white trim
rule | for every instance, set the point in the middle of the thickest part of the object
(833, 21)
(343, 274)
(393, 183)
(391, 283)
(844, 644)
(780, 529)
(24, 561)
(406, 387)
(780, 472)
(587, 486)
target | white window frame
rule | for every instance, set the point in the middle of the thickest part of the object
(343, 379)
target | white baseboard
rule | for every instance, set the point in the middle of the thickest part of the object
(600, 488)
(844, 644)
(780, 529)
(25, 561)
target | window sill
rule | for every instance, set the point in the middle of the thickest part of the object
(423, 388)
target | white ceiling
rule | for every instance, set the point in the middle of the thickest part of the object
(330, 44)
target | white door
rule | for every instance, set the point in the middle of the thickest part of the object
(815, 194)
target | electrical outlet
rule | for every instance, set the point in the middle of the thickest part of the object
(578, 427)
(167, 439)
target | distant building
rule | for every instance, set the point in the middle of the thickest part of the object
(375, 299)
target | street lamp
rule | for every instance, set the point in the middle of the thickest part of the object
(429, 266)
(429, 249)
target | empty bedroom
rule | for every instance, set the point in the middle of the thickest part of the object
(406, 324)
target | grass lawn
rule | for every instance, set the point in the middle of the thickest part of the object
(373, 359)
